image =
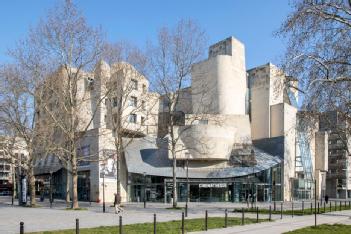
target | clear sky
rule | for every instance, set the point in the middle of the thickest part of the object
(251, 21)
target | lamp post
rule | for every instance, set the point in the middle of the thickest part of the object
(187, 185)
(103, 192)
(50, 189)
(315, 202)
(144, 189)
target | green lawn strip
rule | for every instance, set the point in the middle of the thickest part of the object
(80, 208)
(307, 210)
(323, 229)
(170, 227)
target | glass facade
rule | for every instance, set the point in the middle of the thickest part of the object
(262, 186)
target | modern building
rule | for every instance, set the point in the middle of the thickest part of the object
(240, 135)
(12, 158)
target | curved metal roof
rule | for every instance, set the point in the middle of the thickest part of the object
(143, 156)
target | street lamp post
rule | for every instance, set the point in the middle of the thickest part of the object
(144, 189)
(315, 202)
(103, 192)
(187, 186)
(50, 189)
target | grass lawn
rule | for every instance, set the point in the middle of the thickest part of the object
(307, 210)
(171, 227)
(324, 229)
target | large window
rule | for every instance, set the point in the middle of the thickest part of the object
(115, 101)
(132, 118)
(133, 101)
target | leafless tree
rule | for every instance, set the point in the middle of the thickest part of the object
(18, 112)
(171, 59)
(318, 36)
(58, 50)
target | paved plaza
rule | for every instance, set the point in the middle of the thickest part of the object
(46, 218)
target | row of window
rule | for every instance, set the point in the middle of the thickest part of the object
(134, 85)
(132, 101)
(132, 118)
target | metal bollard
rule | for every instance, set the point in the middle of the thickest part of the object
(340, 206)
(311, 208)
(292, 209)
(274, 206)
(21, 228)
(270, 213)
(154, 223)
(330, 207)
(183, 223)
(335, 205)
(303, 207)
(77, 226)
(120, 225)
(242, 216)
(206, 217)
(256, 214)
(281, 210)
(226, 218)
(318, 208)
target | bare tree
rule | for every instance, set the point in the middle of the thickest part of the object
(18, 112)
(58, 50)
(319, 55)
(171, 59)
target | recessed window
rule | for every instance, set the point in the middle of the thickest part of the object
(134, 84)
(133, 101)
(143, 106)
(132, 118)
(142, 121)
(115, 102)
(144, 88)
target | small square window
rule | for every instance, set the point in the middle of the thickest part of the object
(133, 101)
(134, 84)
(132, 118)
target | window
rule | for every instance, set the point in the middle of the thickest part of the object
(144, 88)
(115, 102)
(132, 118)
(134, 84)
(142, 121)
(143, 105)
(133, 101)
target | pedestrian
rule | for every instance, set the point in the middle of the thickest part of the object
(117, 203)
(326, 198)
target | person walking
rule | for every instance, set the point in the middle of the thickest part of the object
(326, 198)
(117, 203)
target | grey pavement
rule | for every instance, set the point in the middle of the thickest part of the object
(45, 218)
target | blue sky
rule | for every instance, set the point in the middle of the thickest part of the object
(251, 21)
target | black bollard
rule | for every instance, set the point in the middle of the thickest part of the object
(21, 228)
(183, 223)
(206, 217)
(340, 206)
(256, 214)
(281, 210)
(292, 209)
(242, 216)
(225, 218)
(120, 225)
(274, 206)
(335, 205)
(154, 223)
(77, 226)
(303, 207)
(311, 208)
(329, 206)
(318, 208)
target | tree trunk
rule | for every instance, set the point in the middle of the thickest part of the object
(75, 183)
(31, 186)
(68, 199)
(174, 180)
